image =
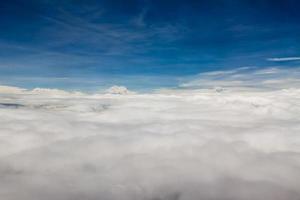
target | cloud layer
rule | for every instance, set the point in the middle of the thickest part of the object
(183, 144)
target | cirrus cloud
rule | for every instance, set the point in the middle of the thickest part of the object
(282, 59)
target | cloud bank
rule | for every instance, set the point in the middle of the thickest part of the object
(182, 144)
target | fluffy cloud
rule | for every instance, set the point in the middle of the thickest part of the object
(184, 144)
(11, 90)
(118, 90)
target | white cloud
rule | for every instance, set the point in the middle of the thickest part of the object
(118, 90)
(248, 78)
(53, 92)
(283, 59)
(184, 144)
(11, 90)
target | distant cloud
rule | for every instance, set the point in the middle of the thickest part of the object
(11, 90)
(118, 90)
(282, 59)
(268, 78)
(37, 91)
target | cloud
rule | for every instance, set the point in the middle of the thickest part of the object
(118, 90)
(284, 59)
(249, 78)
(53, 92)
(183, 144)
(11, 90)
(38, 91)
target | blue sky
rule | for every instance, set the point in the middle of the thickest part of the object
(141, 43)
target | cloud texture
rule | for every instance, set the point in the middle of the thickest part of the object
(183, 144)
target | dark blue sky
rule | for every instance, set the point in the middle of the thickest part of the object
(85, 44)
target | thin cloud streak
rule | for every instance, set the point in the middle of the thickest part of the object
(282, 59)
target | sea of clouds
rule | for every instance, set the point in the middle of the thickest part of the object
(228, 135)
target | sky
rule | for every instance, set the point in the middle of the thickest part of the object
(142, 44)
(149, 100)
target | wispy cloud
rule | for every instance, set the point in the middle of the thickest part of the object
(282, 59)
(267, 78)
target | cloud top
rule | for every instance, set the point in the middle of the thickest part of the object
(11, 90)
(183, 144)
(118, 90)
